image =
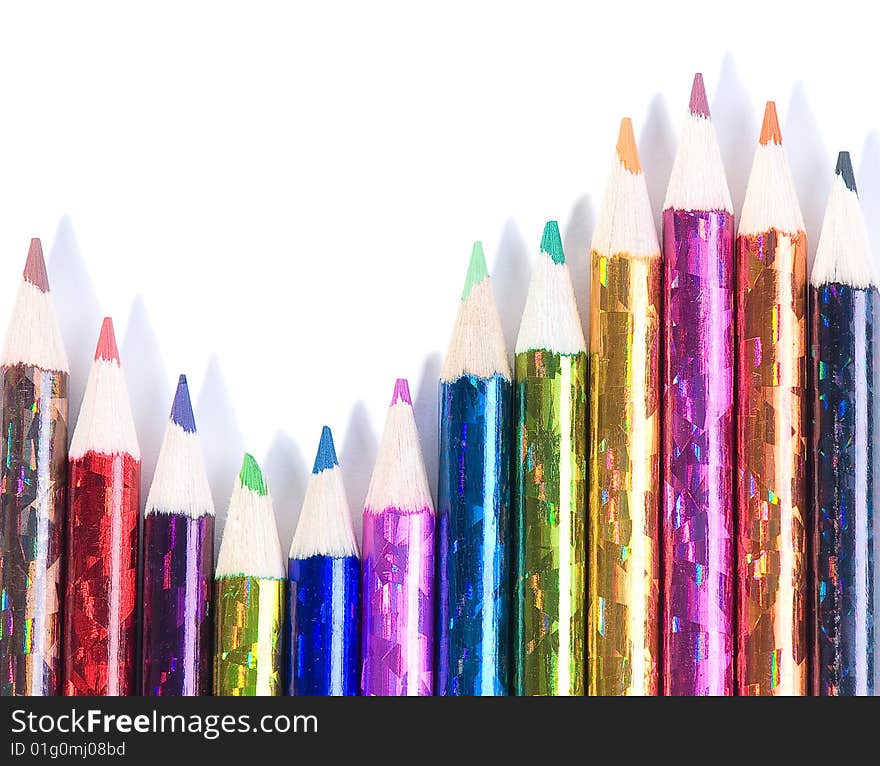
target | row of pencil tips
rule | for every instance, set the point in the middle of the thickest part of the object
(620, 514)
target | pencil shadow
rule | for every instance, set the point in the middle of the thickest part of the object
(657, 152)
(287, 474)
(812, 166)
(511, 275)
(733, 117)
(148, 388)
(221, 439)
(426, 405)
(356, 459)
(78, 308)
(576, 244)
(868, 184)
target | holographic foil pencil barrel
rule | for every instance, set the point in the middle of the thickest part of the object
(624, 567)
(34, 491)
(623, 572)
(397, 590)
(549, 627)
(699, 467)
(772, 442)
(473, 653)
(771, 412)
(100, 635)
(248, 629)
(33, 488)
(846, 334)
(323, 626)
(177, 594)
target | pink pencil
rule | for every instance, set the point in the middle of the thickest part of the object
(398, 563)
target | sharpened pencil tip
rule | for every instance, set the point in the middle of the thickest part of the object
(770, 127)
(551, 242)
(251, 476)
(699, 104)
(181, 408)
(401, 392)
(35, 267)
(477, 270)
(326, 457)
(845, 170)
(627, 152)
(106, 348)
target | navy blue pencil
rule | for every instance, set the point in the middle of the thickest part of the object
(323, 658)
(846, 448)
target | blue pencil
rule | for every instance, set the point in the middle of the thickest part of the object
(323, 659)
(473, 625)
(845, 305)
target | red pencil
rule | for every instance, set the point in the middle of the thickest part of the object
(102, 534)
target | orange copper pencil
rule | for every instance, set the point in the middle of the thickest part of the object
(771, 427)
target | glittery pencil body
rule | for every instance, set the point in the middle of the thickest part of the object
(473, 507)
(698, 453)
(397, 586)
(34, 491)
(323, 626)
(845, 336)
(248, 630)
(550, 465)
(249, 594)
(473, 498)
(178, 568)
(772, 447)
(698, 423)
(772, 365)
(178, 563)
(624, 568)
(398, 591)
(100, 626)
(623, 572)
(551, 396)
(33, 488)
(100, 616)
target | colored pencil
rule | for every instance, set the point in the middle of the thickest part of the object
(771, 427)
(698, 448)
(397, 590)
(846, 370)
(323, 571)
(249, 593)
(178, 563)
(624, 443)
(100, 615)
(473, 498)
(550, 482)
(33, 494)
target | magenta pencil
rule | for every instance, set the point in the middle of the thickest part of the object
(698, 445)
(398, 563)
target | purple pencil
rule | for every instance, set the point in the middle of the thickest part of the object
(698, 415)
(178, 563)
(398, 563)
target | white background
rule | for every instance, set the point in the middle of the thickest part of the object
(279, 199)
